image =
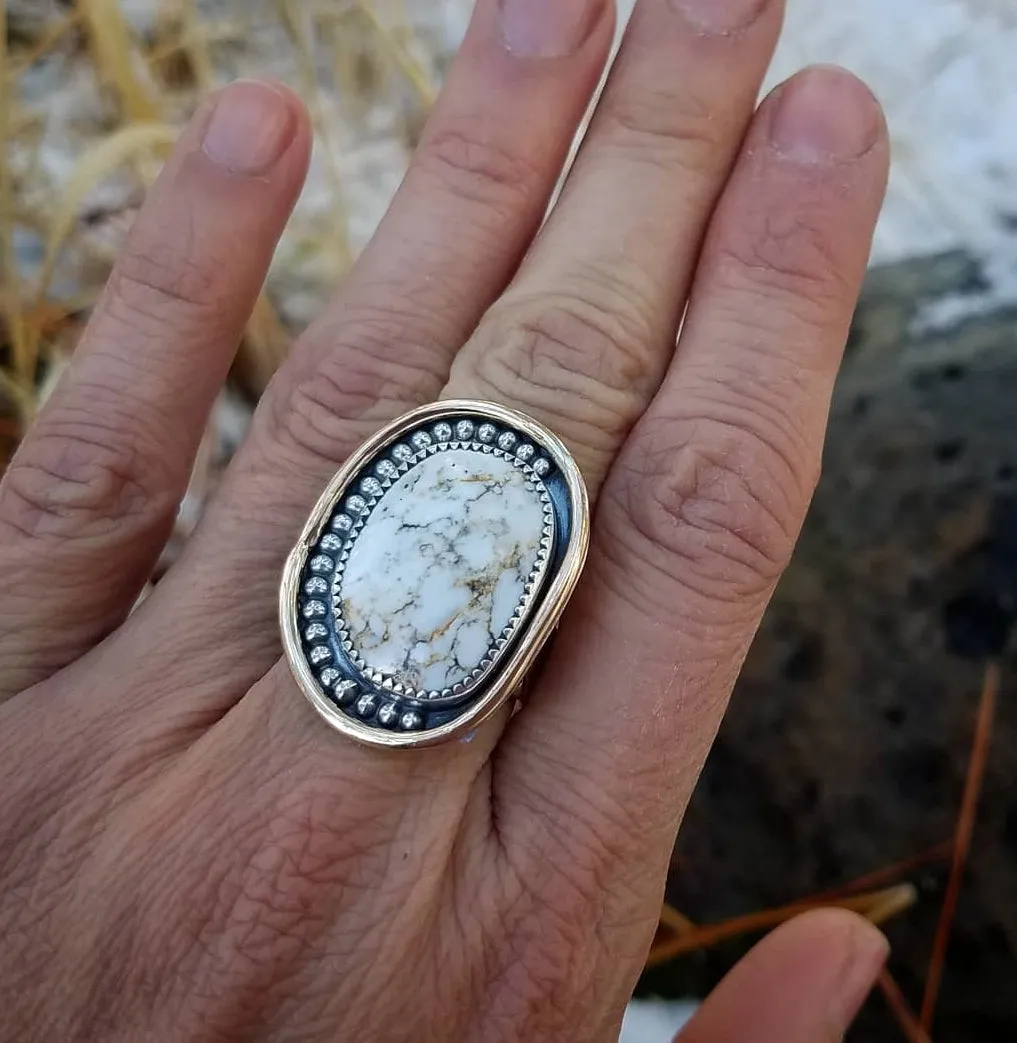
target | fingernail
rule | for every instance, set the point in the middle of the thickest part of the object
(869, 952)
(721, 16)
(548, 28)
(825, 115)
(250, 128)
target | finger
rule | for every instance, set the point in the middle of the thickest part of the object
(584, 334)
(675, 131)
(673, 114)
(704, 504)
(89, 499)
(802, 984)
(475, 193)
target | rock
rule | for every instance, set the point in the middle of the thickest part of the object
(846, 745)
(443, 568)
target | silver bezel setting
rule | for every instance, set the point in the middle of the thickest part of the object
(443, 441)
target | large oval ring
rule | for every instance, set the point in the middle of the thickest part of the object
(432, 572)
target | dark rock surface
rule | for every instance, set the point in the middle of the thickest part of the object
(846, 745)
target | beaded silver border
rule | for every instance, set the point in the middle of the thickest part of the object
(358, 708)
(348, 523)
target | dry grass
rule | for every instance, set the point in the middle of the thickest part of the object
(91, 102)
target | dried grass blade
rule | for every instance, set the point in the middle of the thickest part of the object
(101, 159)
(878, 902)
(938, 853)
(674, 920)
(897, 900)
(295, 22)
(49, 39)
(23, 365)
(115, 57)
(903, 1015)
(406, 63)
(21, 397)
(962, 842)
(197, 46)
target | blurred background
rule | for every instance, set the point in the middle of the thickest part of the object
(870, 755)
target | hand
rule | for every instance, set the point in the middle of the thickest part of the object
(187, 852)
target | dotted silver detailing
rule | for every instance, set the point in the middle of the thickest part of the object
(375, 698)
(329, 676)
(411, 721)
(346, 692)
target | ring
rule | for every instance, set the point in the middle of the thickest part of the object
(432, 572)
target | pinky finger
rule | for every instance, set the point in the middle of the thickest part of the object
(805, 983)
(90, 497)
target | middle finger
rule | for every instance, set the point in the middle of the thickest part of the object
(581, 339)
(586, 354)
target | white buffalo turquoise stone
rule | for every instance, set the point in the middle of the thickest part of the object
(440, 568)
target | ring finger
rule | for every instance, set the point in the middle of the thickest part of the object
(581, 338)
(586, 354)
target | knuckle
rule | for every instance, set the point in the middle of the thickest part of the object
(549, 353)
(785, 255)
(162, 283)
(476, 167)
(85, 474)
(718, 515)
(664, 128)
(326, 401)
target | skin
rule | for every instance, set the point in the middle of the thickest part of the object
(186, 851)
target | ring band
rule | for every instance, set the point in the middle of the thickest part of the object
(432, 572)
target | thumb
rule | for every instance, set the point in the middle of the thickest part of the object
(802, 984)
